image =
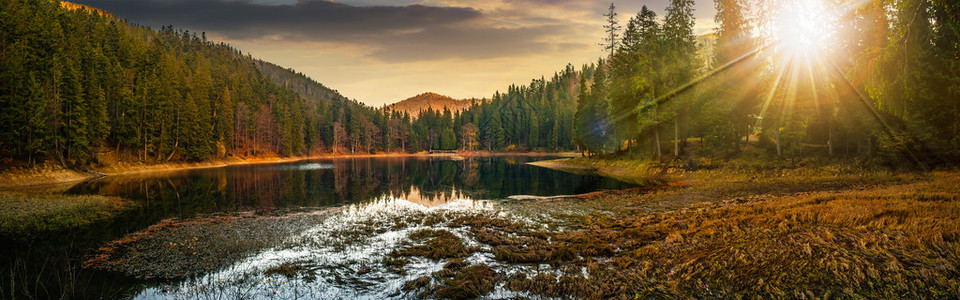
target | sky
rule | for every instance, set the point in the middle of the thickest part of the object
(382, 51)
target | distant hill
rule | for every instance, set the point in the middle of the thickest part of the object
(74, 6)
(414, 105)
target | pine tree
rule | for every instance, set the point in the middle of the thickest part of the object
(682, 64)
(496, 131)
(74, 135)
(612, 29)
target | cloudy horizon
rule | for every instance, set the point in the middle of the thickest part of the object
(380, 52)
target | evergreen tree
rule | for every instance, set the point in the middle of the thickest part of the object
(612, 29)
(74, 136)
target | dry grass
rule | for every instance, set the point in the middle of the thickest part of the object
(627, 170)
(737, 231)
(47, 173)
(455, 281)
(288, 270)
(884, 241)
(25, 215)
(439, 244)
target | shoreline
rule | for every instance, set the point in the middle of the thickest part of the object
(54, 174)
(636, 172)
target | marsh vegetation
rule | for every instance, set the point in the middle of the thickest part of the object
(805, 229)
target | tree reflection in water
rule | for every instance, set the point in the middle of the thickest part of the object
(411, 189)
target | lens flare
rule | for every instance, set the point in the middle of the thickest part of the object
(805, 28)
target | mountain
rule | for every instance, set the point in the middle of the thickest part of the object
(416, 104)
(84, 88)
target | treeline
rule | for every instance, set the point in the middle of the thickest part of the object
(82, 87)
(79, 84)
(535, 117)
(887, 85)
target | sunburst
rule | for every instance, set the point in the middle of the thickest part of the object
(805, 28)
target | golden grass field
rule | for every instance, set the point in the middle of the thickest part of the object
(809, 232)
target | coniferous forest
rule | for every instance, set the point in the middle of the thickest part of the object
(81, 84)
(888, 88)
(793, 149)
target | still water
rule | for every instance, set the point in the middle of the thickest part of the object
(224, 232)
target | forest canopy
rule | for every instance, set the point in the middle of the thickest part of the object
(792, 77)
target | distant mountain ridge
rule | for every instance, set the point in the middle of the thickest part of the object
(422, 102)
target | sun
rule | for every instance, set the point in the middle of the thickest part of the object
(805, 28)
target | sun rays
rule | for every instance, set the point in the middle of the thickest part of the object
(802, 41)
(805, 28)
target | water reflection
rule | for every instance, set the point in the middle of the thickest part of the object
(361, 191)
(340, 256)
(322, 183)
(431, 199)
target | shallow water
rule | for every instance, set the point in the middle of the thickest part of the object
(336, 220)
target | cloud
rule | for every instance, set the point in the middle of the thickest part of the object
(308, 18)
(411, 32)
(381, 51)
(469, 42)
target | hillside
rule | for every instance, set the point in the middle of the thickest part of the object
(416, 104)
(305, 86)
(84, 88)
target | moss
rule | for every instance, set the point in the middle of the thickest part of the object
(25, 215)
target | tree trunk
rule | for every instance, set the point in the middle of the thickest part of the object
(175, 145)
(830, 139)
(777, 137)
(676, 138)
(656, 141)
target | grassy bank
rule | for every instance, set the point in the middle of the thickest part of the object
(24, 215)
(40, 174)
(627, 170)
(736, 231)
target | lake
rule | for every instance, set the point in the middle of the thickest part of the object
(325, 228)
